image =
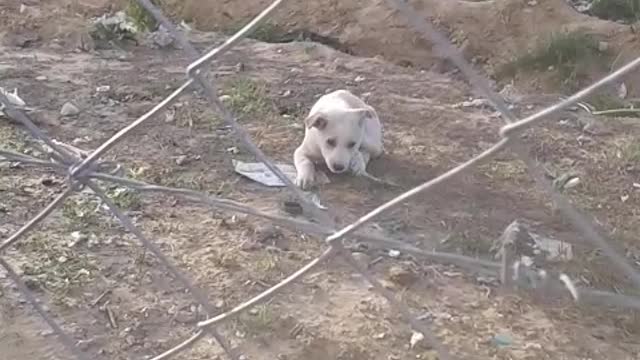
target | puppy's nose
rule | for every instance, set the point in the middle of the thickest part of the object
(338, 167)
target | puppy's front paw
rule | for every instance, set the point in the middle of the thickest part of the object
(358, 165)
(305, 179)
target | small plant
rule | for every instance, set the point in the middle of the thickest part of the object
(631, 152)
(259, 320)
(246, 96)
(142, 19)
(617, 10)
(58, 268)
(570, 55)
(124, 198)
(80, 211)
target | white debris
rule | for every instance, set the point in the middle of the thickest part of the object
(259, 172)
(416, 338)
(394, 253)
(14, 99)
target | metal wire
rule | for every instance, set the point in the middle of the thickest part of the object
(84, 170)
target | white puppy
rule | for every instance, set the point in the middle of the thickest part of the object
(341, 130)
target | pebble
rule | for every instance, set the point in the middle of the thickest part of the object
(68, 109)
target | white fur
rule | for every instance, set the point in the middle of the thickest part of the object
(341, 130)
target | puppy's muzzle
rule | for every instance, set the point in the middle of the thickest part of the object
(338, 168)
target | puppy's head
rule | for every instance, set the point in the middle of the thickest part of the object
(339, 133)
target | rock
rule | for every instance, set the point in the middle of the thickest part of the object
(362, 259)
(162, 38)
(68, 109)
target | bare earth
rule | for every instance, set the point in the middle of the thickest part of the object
(80, 253)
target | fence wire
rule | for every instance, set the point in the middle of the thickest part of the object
(83, 170)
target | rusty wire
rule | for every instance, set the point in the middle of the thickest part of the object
(83, 171)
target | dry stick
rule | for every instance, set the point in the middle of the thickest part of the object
(482, 85)
(37, 219)
(128, 224)
(479, 265)
(64, 338)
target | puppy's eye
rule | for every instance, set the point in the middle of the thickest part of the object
(331, 142)
(351, 144)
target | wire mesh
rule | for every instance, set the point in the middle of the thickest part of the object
(82, 171)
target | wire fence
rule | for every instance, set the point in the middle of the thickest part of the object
(82, 170)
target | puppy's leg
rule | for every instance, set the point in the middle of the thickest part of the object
(305, 168)
(359, 162)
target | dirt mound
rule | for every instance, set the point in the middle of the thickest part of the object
(490, 33)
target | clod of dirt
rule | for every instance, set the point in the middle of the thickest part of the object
(292, 207)
(24, 39)
(402, 275)
(68, 109)
(363, 259)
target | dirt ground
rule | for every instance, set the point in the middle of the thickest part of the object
(83, 266)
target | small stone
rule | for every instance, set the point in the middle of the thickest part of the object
(68, 109)
(224, 98)
(103, 88)
(501, 340)
(41, 78)
(394, 254)
(603, 46)
(181, 160)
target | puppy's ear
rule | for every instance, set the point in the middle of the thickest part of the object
(317, 121)
(364, 114)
